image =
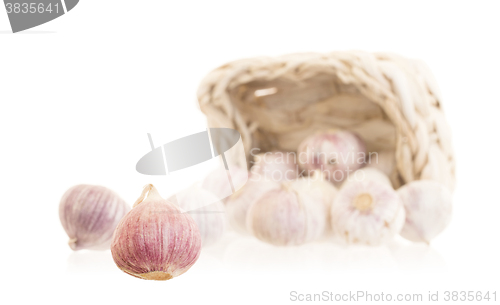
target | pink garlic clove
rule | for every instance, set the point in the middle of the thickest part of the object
(210, 218)
(155, 240)
(367, 212)
(89, 214)
(428, 206)
(333, 152)
(238, 204)
(285, 217)
(275, 166)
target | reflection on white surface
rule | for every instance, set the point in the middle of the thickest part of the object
(247, 254)
(417, 257)
(89, 261)
(239, 253)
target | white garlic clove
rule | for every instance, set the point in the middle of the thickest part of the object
(368, 174)
(334, 152)
(210, 219)
(89, 214)
(218, 183)
(428, 206)
(238, 204)
(285, 217)
(276, 166)
(367, 212)
(155, 240)
(318, 188)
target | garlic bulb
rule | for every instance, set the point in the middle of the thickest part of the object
(217, 182)
(155, 240)
(238, 204)
(368, 174)
(367, 212)
(89, 214)
(317, 187)
(333, 152)
(322, 191)
(286, 217)
(210, 219)
(276, 166)
(428, 206)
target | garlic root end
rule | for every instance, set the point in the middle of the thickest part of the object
(72, 244)
(156, 275)
(152, 275)
(363, 202)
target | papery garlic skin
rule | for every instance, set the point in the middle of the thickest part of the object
(238, 204)
(89, 214)
(335, 152)
(155, 240)
(285, 217)
(217, 182)
(367, 212)
(210, 219)
(368, 174)
(276, 166)
(428, 206)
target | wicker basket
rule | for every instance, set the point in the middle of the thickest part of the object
(392, 102)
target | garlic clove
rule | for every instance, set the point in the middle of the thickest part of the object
(428, 206)
(89, 214)
(276, 166)
(210, 219)
(334, 152)
(367, 212)
(318, 188)
(155, 240)
(368, 174)
(238, 204)
(285, 217)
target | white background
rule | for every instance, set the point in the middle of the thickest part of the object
(79, 94)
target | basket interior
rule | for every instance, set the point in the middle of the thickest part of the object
(287, 110)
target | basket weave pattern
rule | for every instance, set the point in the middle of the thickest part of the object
(392, 102)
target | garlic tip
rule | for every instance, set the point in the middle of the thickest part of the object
(148, 190)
